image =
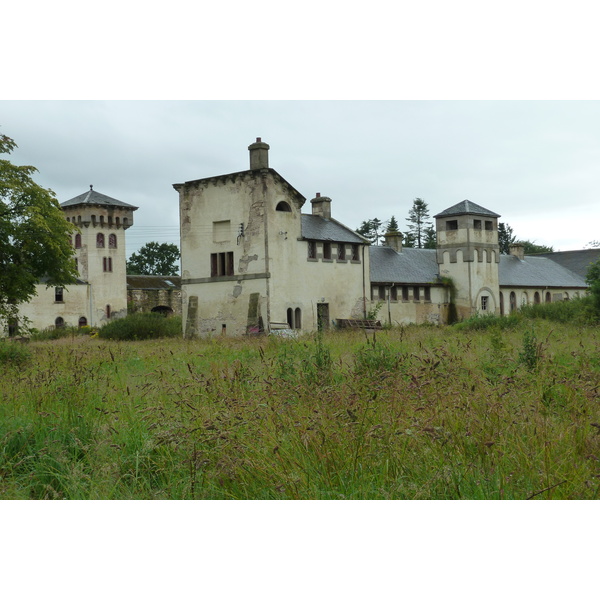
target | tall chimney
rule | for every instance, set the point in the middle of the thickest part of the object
(321, 206)
(517, 250)
(393, 239)
(259, 155)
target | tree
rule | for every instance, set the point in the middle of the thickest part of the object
(418, 218)
(371, 229)
(505, 237)
(154, 259)
(35, 237)
(593, 279)
(430, 238)
(533, 248)
(392, 226)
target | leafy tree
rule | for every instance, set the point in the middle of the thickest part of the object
(371, 229)
(154, 259)
(593, 244)
(593, 279)
(533, 248)
(35, 237)
(506, 237)
(430, 238)
(418, 218)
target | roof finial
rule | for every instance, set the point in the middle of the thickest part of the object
(91, 187)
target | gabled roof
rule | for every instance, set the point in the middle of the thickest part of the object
(466, 207)
(153, 282)
(234, 176)
(412, 265)
(315, 227)
(94, 198)
(536, 271)
(577, 261)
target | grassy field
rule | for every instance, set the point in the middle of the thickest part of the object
(410, 413)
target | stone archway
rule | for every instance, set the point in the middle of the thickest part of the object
(166, 311)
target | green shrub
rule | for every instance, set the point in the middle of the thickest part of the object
(578, 310)
(141, 326)
(478, 322)
(13, 353)
(56, 333)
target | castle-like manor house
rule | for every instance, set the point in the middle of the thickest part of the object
(252, 262)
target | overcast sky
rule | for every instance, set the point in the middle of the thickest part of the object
(536, 163)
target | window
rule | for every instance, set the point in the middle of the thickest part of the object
(112, 241)
(416, 295)
(58, 294)
(513, 301)
(283, 207)
(82, 322)
(326, 250)
(109, 221)
(477, 224)
(451, 225)
(484, 302)
(108, 312)
(221, 264)
(312, 250)
(381, 292)
(405, 293)
(100, 240)
(489, 226)
(298, 318)
(536, 298)
(107, 264)
(355, 253)
(117, 221)
(290, 318)
(221, 231)
(59, 322)
(341, 251)
(394, 294)
(548, 297)
(427, 291)
(78, 240)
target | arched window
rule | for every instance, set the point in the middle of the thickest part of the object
(59, 322)
(524, 299)
(283, 207)
(100, 240)
(108, 311)
(536, 298)
(290, 318)
(548, 298)
(513, 302)
(112, 241)
(82, 322)
(298, 318)
(501, 304)
(78, 240)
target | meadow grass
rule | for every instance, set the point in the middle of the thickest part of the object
(405, 413)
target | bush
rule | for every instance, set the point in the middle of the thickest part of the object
(577, 310)
(56, 333)
(478, 322)
(13, 353)
(142, 326)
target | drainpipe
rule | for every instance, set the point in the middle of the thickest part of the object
(363, 278)
(389, 304)
(91, 304)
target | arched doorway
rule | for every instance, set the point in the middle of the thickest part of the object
(165, 311)
(59, 322)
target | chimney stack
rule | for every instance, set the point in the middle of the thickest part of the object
(517, 250)
(259, 155)
(321, 206)
(393, 239)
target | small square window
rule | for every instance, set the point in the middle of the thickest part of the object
(312, 250)
(341, 251)
(489, 226)
(451, 225)
(326, 250)
(484, 302)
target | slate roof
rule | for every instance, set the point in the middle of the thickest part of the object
(94, 198)
(153, 282)
(466, 207)
(536, 271)
(577, 261)
(412, 265)
(315, 227)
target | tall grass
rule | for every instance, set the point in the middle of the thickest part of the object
(410, 413)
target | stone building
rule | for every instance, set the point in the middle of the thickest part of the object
(253, 262)
(154, 293)
(100, 293)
